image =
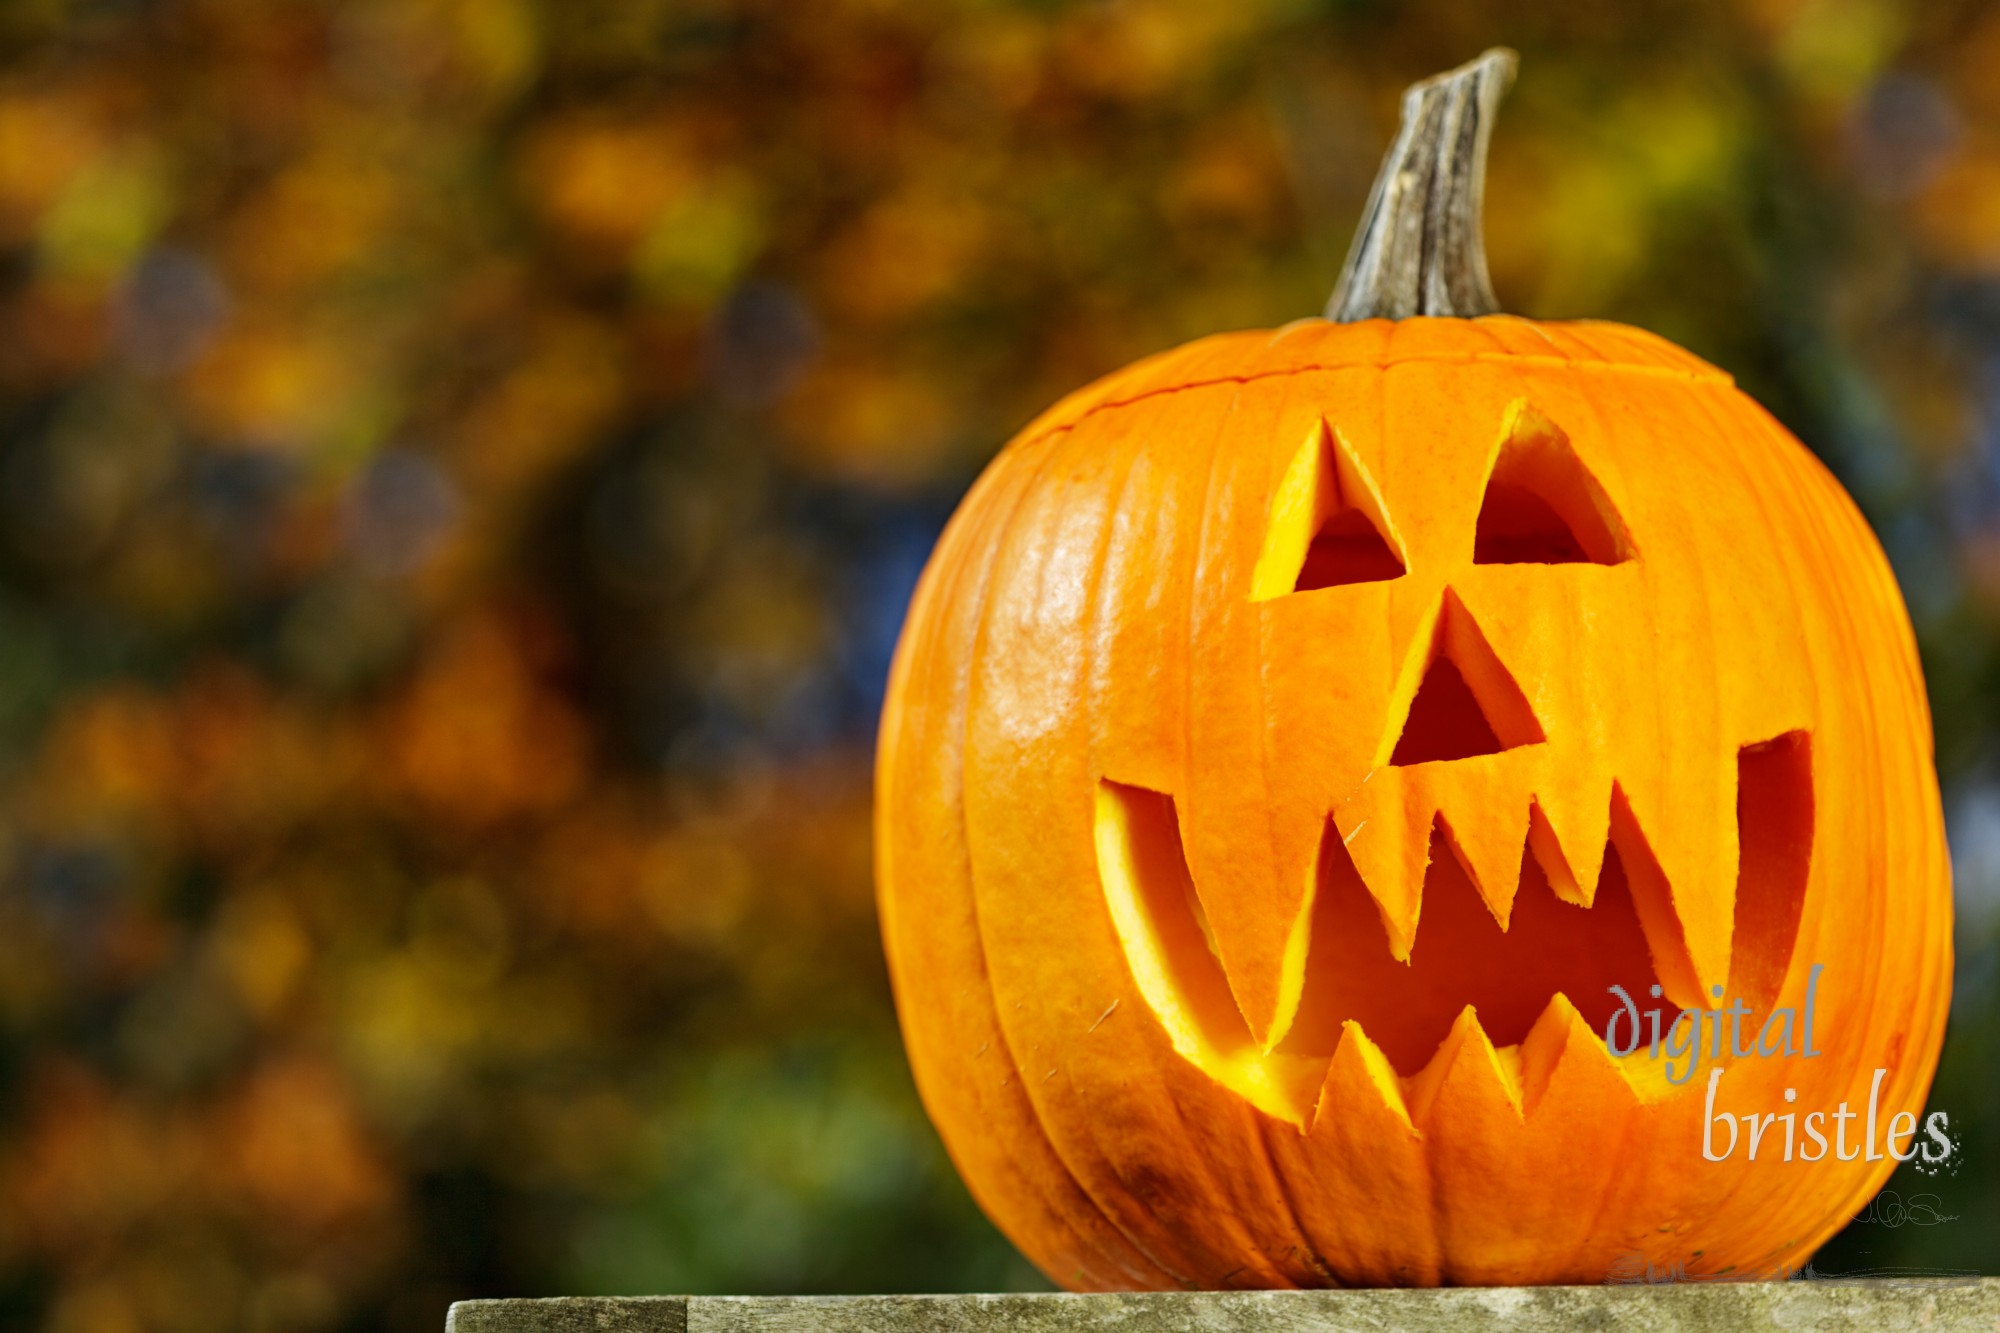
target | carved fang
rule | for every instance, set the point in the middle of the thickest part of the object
(1467, 1077)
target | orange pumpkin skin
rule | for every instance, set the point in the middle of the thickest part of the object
(1100, 619)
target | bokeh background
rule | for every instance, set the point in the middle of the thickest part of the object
(462, 464)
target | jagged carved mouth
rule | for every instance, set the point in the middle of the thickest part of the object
(1548, 956)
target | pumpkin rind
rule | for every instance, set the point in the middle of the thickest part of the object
(1088, 617)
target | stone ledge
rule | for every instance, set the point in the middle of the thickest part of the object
(1874, 1306)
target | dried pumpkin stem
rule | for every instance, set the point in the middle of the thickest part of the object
(1418, 250)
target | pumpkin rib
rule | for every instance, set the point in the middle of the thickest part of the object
(1310, 1249)
(1111, 1163)
(1731, 459)
(1433, 1215)
(1870, 1179)
(1773, 519)
(1309, 1245)
(1201, 556)
(1849, 517)
(1582, 1252)
(1825, 503)
(1682, 893)
(984, 556)
(1098, 765)
(1714, 912)
(1097, 585)
(1818, 505)
(974, 653)
(1723, 831)
(1189, 710)
(1272, 845)
(1743, 470)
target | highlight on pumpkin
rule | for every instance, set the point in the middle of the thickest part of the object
(1550, 956)
(1542, 505)
(1328, 526)
(1464, 701)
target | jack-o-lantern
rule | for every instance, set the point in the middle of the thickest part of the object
(1297, 736)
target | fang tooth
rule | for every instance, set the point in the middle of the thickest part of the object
(1672, 945)
(1567, 835)
(1467, 1077)
(1391, 854)
(1692, 840)
(1562, 1054)
(1547, 850)
(1358, 1076)
(1577, 1075)
(1490, 851)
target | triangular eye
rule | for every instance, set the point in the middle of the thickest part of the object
(1542, 506)
(1327, 525)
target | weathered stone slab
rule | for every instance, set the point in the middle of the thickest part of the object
(1874, 1306)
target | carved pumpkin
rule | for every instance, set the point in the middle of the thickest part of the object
(1294, 737)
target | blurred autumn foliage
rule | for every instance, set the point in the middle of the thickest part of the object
(462, 463)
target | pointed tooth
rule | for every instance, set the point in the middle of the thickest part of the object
(1467, 1082)
(1692, 838)
(1567, 828)
(1690, 953)
(1389, 839)
(1493, 1172)
(1487, 1163)
(1488, 844)
(1361, 1149)
(1361, 1084)
(1546, 848)
(1563, 1057)
(1298, 839)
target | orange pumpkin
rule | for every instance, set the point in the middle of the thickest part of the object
(1295, 737)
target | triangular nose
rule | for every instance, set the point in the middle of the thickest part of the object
(1465, 702)
(1445, 721)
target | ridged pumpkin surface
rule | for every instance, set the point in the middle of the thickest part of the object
(1292, 738)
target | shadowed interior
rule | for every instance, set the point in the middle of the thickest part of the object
(1347, 549)
(1445, 721)
(1518, 527)
(1462, 956)
(1774, 814)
